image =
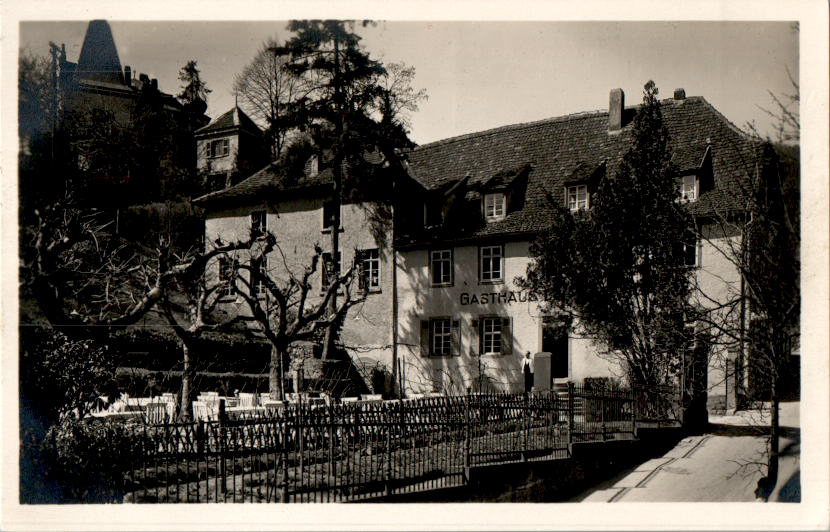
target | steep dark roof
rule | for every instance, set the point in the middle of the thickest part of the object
(232, 119)
(265, 181)
(99, 57)
(560, 149)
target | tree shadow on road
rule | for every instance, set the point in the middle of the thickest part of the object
(734, 431)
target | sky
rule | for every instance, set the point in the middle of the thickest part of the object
(480, 75)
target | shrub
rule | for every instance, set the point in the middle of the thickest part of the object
(89, 460)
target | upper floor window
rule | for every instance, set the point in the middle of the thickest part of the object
(329, 210)
(494, 207)
(258, 223)
(218, 148)
(691, 253)
(491, 267)
(578, 198)
(368, 263)
(440, 266)
(687, 188)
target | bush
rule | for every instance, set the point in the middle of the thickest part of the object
(89, 460)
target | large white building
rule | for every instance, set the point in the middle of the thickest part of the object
(443, 309)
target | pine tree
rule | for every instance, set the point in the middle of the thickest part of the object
(618, 269)
(194, 88)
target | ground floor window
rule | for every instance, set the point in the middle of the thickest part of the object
(439, 337)
(494, 336)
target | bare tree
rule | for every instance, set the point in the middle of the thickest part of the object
(264, 88)
(281, 304)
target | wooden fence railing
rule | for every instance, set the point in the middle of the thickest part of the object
(344, 452)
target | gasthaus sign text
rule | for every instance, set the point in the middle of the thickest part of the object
(501, 298)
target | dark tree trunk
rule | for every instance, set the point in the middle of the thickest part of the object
(276, 374)
(187, 394)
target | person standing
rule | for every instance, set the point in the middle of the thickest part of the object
(527, 372)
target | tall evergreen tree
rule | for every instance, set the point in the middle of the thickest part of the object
(345, 112)
(194, 88)
(617, 269)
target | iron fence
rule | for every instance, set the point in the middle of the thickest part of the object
(345, 452)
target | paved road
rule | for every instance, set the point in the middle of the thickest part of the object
(723, 465)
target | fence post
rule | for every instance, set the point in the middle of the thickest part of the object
(634, 407)
(389, 415)
(467, 435)
(223, 485)
(571, 426)
(284, 426)
(603, 403)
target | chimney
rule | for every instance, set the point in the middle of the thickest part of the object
(155, 84)
(679, 94)
(128, 76)
(615, 109)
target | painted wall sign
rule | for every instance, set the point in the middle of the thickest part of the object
(500, 298)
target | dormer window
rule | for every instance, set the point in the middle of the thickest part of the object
(494, 207)
(578, 198)
(218, 148)
(687, 188)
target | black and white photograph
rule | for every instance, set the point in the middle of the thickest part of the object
(314, 258)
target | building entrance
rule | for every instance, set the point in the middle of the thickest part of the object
(555, 342)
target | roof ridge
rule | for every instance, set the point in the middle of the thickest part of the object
(550, 120)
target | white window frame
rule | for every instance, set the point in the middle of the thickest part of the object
(575, 203)
(697, 245)
(490, 330)
(226, 263)
(369, 269)
(444, 258)
(440, 337)
(212, 151)
(258, 285)
(495, 206)
(487, 254)
(688, 188)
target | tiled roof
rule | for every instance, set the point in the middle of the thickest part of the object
(560, 149)
(264, 181)
(99, 57)
(234, 118)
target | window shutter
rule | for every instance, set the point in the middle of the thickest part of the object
(506, 337)
(475, 343)
(424, 338)
(456, 338)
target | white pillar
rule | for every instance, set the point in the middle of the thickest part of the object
(541, 372)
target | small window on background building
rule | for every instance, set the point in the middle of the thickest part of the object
(440, 263)
(227, 275)
(258, 223)
(578, 198)
(218, 148)
(491, 269)
(494, 207)
(330, 271)
(368, 262)
(687, 188)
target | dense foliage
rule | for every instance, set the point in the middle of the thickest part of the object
(618, 269)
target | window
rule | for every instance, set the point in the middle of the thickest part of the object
(440, 264)
(331, 270)
(491, 269)
(494, 336)
(691, 253)
(368, 262)
(439, 337)
(218, 148)
(440, 334)
(687, 188)
(329, 209)
(258, 223)
(578, 198)
(260, 265)
(227, 275)
(494, 208)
